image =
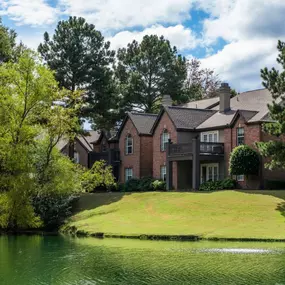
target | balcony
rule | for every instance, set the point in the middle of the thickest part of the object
(186, 149)
(111, 156)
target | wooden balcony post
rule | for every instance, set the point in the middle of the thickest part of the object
(168, 167)
(196, 164)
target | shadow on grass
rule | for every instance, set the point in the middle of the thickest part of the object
(280, 194)
(91, 201)
(281, 208)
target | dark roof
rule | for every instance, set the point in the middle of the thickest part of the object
(143, 122)
(188, 118)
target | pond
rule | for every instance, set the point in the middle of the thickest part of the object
(37, 260)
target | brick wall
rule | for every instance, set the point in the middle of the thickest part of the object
(159, 157)
(129, 160)
(146, 156)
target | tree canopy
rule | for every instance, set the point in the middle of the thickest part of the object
(148, 70)
(81, 59)
(274, 81)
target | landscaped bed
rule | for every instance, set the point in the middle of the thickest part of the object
(223, 214)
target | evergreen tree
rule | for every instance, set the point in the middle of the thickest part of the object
(81, 59)
(148, 70)
(274, 81)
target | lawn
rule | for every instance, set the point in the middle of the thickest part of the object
(224, 214)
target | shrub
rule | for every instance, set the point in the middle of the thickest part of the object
(53, 209)
(225, 184)
(159, 185)
(132, 185)
(99, 178)
(244, 161)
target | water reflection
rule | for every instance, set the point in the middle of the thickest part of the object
(67, 261)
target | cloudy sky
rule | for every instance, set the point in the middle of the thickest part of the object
(234, 37)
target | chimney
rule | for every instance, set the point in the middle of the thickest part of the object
(225, 97)
(166, 101)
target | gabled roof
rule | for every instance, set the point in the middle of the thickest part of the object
(203, 104)
(185, 118)
(110, 136)
(143, 122)
(226, 119)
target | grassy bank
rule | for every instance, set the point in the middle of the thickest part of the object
(225, 214)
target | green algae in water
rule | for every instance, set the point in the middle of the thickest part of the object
(33, 260)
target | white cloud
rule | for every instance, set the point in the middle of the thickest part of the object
(239, 63)
(28, 12)
(179, 36)
(114, 14)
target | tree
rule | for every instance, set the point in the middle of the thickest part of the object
(274, 81)
(30, 126)
(81, 59)
(148, 70)
(244, 161)
(200, 83)
(7, 43)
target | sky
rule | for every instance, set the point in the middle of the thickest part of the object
(236, 38)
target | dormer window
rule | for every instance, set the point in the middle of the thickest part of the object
(129, 144)
(164, 140)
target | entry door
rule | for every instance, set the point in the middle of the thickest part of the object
(209, 172)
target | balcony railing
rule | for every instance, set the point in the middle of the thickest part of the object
(180, 149)
(112, 157)
(211, 148)
(206, 148)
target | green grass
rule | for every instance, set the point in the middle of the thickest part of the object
(225, 214)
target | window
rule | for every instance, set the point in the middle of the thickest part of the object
(209, 172)
(164, 140)
(210, 136)
(240, 178)
(240, 136)
(163, 173)
(129, 144)
(128, 174)
(76, 156)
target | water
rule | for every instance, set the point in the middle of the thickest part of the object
(39, 260)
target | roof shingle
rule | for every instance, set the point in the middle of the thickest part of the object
(143, 122)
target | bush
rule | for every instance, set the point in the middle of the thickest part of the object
(53, 209)
(159, 185)
(145, 184)
(244, 161)
(274, 184)
(225, 184)
(99, 178)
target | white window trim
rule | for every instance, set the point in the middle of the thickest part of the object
(128, 176)
(240, 178)
(162, 173)
(208, 165)
(210, 133)
(127, 146)
(162, 142)
(240, 136)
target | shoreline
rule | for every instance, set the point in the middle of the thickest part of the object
(151, 237)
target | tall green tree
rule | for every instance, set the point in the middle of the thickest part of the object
(148, 70)
(7, 43)
(81, 59)
(30, 127)
(274, 81)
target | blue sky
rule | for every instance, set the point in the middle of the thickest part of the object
(236, 38)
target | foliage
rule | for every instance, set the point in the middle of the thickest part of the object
(275, 184)
(53, 209)
(200, 83)
(274, 81)
(99, 176)
(145, 184)
(81, 59)
(30, 127)
(226, 184)
(244, 161)
(159, 185)
(145, 71)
